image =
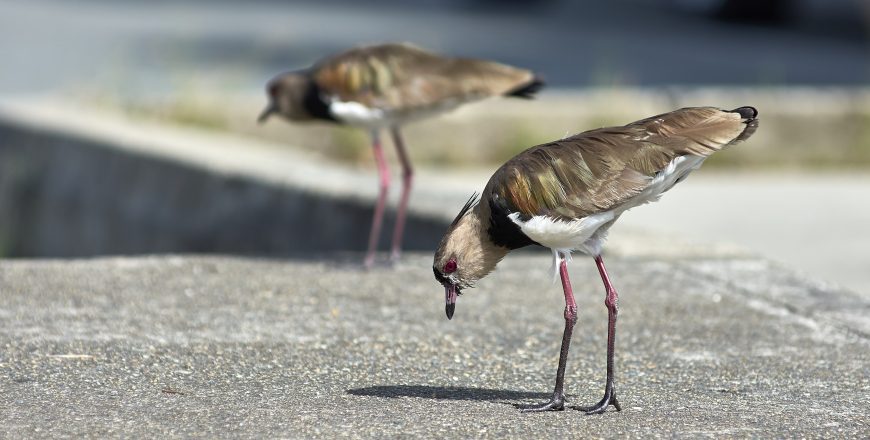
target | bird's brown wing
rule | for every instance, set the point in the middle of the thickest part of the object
(597, 170)
(402, 77)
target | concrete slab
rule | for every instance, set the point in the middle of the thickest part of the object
(80, 182)
(251, 348)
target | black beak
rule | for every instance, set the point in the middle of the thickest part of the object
(450, 294)
(266, 113)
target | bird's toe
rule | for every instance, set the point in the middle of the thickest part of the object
(601, 407)
(557, 403)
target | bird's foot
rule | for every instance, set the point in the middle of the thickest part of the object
(377, 261)
(600, 407)
(395, 256)
(369, 261)
(557, 403)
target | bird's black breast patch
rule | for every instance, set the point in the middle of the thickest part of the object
(502, 231)
(315, 105)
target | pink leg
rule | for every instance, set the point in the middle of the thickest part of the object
(557, 402)
(407, 179)
(384, 185)
(611, 300)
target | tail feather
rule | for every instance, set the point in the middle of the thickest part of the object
(527, 90)
(747, 112)
(750, 118)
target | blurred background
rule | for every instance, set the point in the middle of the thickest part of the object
(798, 192)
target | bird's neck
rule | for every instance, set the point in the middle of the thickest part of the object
(472, 232)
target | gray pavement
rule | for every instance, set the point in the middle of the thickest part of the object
(229, 347)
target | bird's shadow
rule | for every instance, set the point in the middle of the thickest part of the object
(508, 397)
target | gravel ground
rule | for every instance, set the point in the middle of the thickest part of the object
(230, 347)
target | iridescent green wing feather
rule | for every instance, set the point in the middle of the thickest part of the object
(599, 169)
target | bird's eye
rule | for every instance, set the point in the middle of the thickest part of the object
(273, 90)
(450, 266)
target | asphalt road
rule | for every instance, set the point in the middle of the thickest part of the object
(241, 348)
(135, 48)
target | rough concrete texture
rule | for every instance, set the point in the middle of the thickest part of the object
(252, 348)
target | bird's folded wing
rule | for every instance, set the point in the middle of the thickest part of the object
(400, 77)
(597, 170)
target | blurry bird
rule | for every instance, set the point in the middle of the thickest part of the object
(387, 86)
(566, 194)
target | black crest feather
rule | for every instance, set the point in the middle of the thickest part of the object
(471, 203)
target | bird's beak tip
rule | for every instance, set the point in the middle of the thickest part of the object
(265, 114)
(450, 293)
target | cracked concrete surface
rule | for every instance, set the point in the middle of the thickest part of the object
(235, 347)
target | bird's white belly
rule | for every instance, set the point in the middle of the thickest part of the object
(560, 235)
(355, 113)
(587, 234)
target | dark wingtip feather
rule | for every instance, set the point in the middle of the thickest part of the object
(750, 118)
(527, 90)
(748, 113)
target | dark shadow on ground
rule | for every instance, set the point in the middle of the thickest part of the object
(448, 393)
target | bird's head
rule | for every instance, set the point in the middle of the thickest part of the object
(286, 93)
(465, 254)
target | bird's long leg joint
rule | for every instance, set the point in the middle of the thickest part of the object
(571, 313)
(557, 402)
(407, 180)
(611, 300)
(384, 188)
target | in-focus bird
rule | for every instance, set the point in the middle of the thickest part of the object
(566, 194)
(386, 86)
